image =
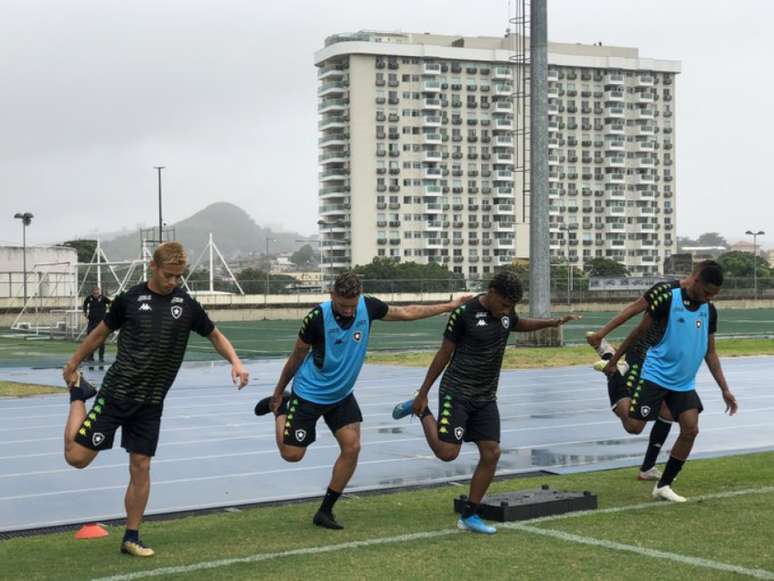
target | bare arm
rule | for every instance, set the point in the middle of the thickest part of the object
(297, 356)
(89, 345)
(632, 309)
(239, 375)
(439, 363)
(713, 362)
(415, 312)
(634, 336)
(524, 325)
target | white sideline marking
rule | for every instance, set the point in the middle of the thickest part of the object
(645, 552)
(523, 526)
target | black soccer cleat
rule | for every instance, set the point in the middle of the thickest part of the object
(85, 390)
(262, 407)
(326, 520)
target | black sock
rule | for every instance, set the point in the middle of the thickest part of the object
(132, 535)
(471, 508)
(658, 435)
(76, 393)
(671, 471)
(331, 496)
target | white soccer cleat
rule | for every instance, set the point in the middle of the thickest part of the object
(666, 493)
(604, 349)
(652, 474)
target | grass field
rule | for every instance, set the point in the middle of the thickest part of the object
(14, 389)
(275, 338)
(723, 532)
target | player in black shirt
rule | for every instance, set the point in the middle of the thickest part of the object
(94, 309)
(324, 366)
(473, 348)
(155, 319)
(627, 374)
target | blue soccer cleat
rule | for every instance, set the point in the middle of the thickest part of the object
(474, 524)
(403, 409)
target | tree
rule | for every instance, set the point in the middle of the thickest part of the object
(85, 248)
(738, 264)
(253, 281)
(387, 275)
(605, 267)
(712, 239)
(304, 256)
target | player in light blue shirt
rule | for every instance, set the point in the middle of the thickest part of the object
(669, 372)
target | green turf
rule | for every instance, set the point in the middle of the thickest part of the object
(276, 338)
(14, 389)
(736, 530)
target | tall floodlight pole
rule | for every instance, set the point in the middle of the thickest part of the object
(268, 272)
(158, 169)
(539, 251)
(26, 219)
(755, 259)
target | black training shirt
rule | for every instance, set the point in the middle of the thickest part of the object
(95, 308)
(152, 342)
(312, 331)
(480, 340)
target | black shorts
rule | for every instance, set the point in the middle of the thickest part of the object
(466, 420)
(647, 397)
(301, 423)
(140, 424)
(620, 386)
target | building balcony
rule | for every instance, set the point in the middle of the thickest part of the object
(432, 208)
(333, 88)
(432, 104)
(433, 156)
(329, 105)
(334, 174)
(431, 138)
(502, 108)
(432, 86)
(431, 69)
(432, 120)
(614, 79)
(433, 191)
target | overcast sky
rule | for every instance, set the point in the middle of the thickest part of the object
(94, 93)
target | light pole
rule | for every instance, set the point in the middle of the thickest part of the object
(322, 223)
(755, 259)
(268, 270)
(26, 219)
(158, 169)
(566, 229)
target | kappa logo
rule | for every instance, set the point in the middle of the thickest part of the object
(145, 307)
(645, 411)
(481, 323)
(458, 432)
(698, 324)
(176, 310)
(97, 438)
(300, 435)
(506, 322)
(356, 336)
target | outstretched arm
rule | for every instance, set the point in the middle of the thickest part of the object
(440, 361)
(713, 362)
(524, 325)
(415, 312)
(632, 309)
(239, 375)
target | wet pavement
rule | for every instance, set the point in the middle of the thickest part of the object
(214, 452)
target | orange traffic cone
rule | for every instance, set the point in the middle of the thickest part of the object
(91, 531)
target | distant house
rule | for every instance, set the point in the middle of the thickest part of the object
(744, 246)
